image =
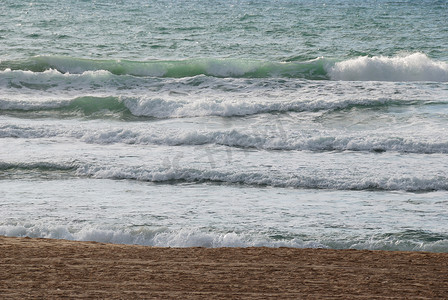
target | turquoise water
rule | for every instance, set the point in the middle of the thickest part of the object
(262, 30)
(226, 123)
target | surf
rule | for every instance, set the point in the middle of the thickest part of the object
(215, 67)
(399, 68)
(275, 140)
(130, 108)
(410, 67)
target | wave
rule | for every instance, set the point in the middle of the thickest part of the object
(51, 80)
(41, 166)
(190, 175)
(192, 237)
(160, 237)
(236, 68)
(87, 106)
(175, 175)
(162, 108)
(411, 67)
(234, 138)
(47, 170)
(167, 108)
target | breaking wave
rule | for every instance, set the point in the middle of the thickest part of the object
(237, 68)
(174, 175)
(161, 108)
(234, 138)
(413, 67)
(193, 237)
(410, 67)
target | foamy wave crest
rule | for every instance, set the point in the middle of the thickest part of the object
(410, 240)
(266, 178)
(161, 108)
(302, 141)
(166, 108)
(193, 237)
(159, 237)
(413, 67)
(296, 141)
(237, 68)
(261, 177)
(52, 79)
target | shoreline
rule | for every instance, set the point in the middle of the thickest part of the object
(48, 268)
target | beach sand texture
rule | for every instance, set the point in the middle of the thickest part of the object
(46, 268)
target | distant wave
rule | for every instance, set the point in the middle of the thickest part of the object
(53, 80)
(411, 67)
(236, 68)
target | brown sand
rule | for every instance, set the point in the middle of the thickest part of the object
(48, 269)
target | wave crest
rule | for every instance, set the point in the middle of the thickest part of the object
(194, 237)
(191, 175)
(236, 68)
(412, 67)
(276, 140)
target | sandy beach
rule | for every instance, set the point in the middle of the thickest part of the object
(52, 269)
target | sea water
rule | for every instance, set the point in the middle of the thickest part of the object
(226, 123)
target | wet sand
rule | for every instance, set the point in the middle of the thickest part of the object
(52, 269)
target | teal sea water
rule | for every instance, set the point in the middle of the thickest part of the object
(226, 123)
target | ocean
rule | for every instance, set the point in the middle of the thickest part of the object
(226, 123)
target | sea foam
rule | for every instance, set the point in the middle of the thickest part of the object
(193, 237)
(267, 177)
(412, 67)
(286, 141)
(406, 67)
(260, 177)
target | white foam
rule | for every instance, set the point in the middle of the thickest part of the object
(175, 108)
(159, 237)
(52, 76)
(399, 182)
(412, 67)
(193, 237)
(241, 138)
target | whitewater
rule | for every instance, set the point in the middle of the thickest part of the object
(226, 123)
